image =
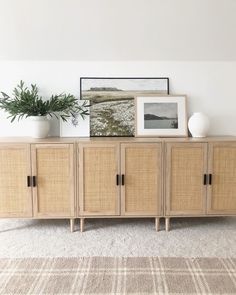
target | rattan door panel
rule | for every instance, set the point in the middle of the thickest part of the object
(142, 189)
(53, 166)
(98, 167)
(222, 166)
(186, 164)
(15, 195)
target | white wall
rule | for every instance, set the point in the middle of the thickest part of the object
(118, 29)
(54, 42)
(208, 85)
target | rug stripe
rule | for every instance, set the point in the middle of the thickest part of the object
(117, 275)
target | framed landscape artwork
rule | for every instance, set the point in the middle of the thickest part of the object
(161, 116)
(112, 110)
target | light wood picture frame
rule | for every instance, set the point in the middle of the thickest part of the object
(161, 116)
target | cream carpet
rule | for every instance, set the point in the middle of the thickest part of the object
(192, 237)
(100, 276)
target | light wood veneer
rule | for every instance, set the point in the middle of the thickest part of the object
(117, 177)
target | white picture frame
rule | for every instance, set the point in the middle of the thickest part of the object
(67, 129)
(75, 127)
(161, 116)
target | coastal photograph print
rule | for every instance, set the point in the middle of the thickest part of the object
(112, 107)
(161, 116)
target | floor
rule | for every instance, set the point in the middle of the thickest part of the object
(189, 237)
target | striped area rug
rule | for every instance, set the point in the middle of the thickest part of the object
(114, 275)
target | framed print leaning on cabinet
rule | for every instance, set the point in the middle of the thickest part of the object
(163, 116)
(112, 111)
(76, 125)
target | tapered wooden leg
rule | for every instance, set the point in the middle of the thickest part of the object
(81, 224)
(72, 225)
(157, 224)
(167, 224)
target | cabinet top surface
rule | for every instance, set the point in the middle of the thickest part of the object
(113, 139)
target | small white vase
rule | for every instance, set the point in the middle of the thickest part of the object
(198, 125)
(39, 126)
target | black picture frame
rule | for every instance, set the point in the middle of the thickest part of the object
(112, 111)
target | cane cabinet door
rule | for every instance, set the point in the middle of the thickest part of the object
(99, 190)
(53, 180)
(141, 179)
(186, 178)
(222, 172)
(15, 190)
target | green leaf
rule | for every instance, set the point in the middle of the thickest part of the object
(27, 102)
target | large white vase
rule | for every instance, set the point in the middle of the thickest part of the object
(39, 126)
(198, 125)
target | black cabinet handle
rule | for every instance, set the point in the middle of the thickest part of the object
(34, 181)
(122, 179)
(117, 179)
(210, 179)
(28, 181)
(205, 179)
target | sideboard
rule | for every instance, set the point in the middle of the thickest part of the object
(117, 177)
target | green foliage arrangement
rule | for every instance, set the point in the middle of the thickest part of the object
(27, 102)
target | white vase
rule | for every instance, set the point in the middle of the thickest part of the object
(39, 126)
(198, 125)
